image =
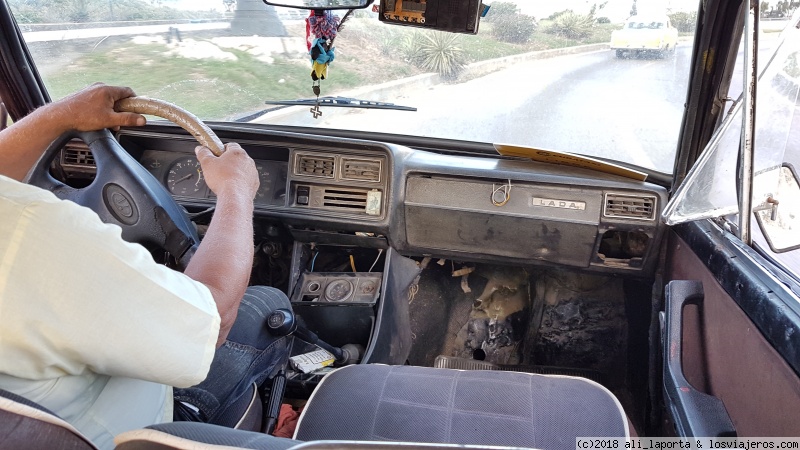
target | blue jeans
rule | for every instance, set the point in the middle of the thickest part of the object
(250, 354)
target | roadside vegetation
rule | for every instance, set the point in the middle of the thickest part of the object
(685, 22)
(204, 86)
(220, 67)
(78, 11)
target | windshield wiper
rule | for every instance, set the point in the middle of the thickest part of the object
(341, 102)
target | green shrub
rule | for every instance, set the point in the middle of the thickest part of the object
(572, 25)
(555, 15)
(410, 44)
(684, 22)
(516, 29)
(435, 52)
(603, 20)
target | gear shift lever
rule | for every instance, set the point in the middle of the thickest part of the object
(282, 322)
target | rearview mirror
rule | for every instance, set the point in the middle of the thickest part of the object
(779, 219)
(321, 4)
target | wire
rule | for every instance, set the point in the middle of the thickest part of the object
(314, 259)
(352, 263)
(380, 252)
(504, 191)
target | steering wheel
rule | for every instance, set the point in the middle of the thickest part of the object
(125, 193)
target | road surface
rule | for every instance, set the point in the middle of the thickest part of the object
(592, 103)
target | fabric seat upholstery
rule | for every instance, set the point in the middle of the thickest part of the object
(25, 424)
(421, 404)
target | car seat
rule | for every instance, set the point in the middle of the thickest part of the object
(432, 405)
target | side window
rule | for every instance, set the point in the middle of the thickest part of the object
(710, 190)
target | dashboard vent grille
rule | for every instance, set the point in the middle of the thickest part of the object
(77, 157)
(348, 199)
(315, 166)
(77, 153)
(361, 169)
(640, 207)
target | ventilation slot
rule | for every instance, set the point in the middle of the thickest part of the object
(345, 199)
(630, 207)
(315, 166)
(77, 154)
(77, 160)
(361, 170)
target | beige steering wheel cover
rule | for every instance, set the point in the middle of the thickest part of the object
(176, 114)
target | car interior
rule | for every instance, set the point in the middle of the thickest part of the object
(469, 297)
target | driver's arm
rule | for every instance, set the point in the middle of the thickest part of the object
(225, 257)
(23, 143)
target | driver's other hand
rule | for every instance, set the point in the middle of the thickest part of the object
(233, 172)
(93, 108)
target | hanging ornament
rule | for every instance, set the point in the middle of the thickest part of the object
(321, 29)
(322, 54)
(321, 24)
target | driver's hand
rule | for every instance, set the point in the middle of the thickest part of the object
(232, 172)
(93, 108)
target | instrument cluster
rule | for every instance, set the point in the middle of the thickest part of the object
(183, 177)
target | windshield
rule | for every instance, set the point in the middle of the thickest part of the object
(549, 75)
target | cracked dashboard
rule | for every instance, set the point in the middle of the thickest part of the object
(333, 190)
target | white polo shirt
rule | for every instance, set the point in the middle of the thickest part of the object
(90, 326)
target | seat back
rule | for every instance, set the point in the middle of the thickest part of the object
(423, 404)
(25, 424)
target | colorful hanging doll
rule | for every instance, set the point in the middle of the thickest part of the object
(321, 29)
(322, 26)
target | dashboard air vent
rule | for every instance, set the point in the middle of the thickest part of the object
(315, 166)
(343, 198)
(642, 207)
(77, 157)
(361, 169)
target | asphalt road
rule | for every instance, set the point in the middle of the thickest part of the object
(592, 103)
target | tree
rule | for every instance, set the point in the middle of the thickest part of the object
(683, 21)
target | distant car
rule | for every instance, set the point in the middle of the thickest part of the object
(645, 34)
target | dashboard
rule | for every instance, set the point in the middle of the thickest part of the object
(337, 190)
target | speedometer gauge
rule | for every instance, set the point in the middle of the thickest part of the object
(185, 178)
(264, 194)
(272, 182)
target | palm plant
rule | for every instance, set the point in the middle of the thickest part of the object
(572, 25)
(439, 52)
